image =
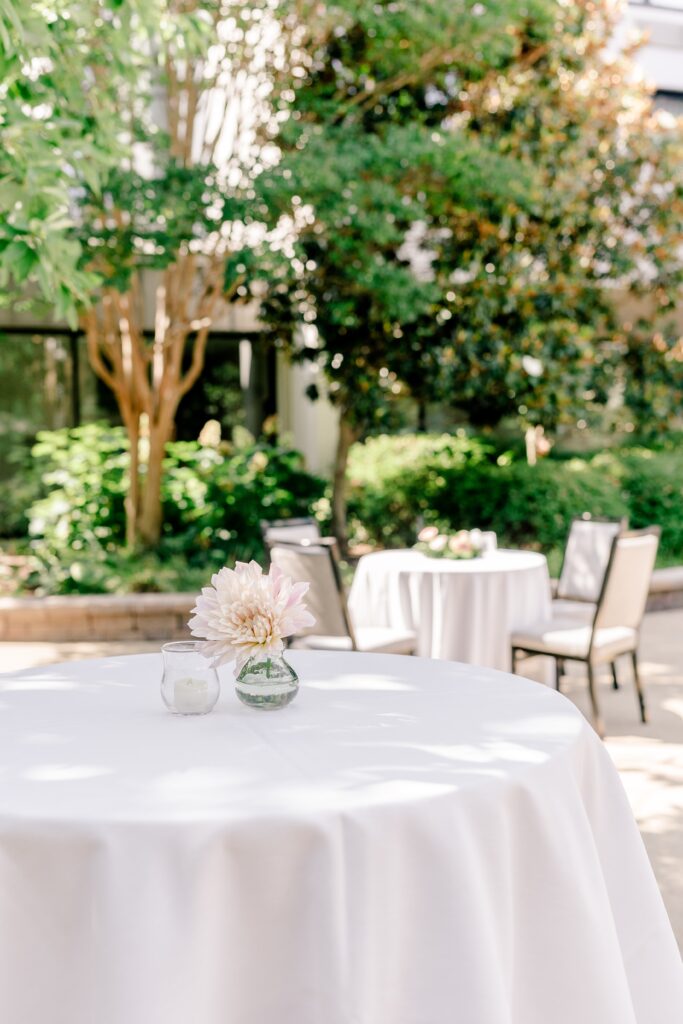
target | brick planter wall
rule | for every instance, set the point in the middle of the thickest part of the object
(164, 616)
(666, 589)
(96, 617)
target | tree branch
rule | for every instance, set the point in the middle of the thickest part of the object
(90, 326)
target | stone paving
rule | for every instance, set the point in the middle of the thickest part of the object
(649, 758)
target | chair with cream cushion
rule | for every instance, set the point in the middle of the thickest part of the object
(616, 620)
(289, 530)
(584, 564)
(318, 564)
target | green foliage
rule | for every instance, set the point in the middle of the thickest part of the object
(470, 189)
(59, 131)
(199, 65)
(120, 572)
(82, 83)
(19, 487)
(161, 214)
(80, 521)
(371, 175)
(214, 500)
(653, 481)
(399, 484)
(533, 318)
(394, 482)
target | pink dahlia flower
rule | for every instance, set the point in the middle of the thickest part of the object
(245, 612)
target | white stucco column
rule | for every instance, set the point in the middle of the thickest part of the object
(312, 425)
(661, 58)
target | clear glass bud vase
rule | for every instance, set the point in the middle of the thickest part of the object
(267, 681)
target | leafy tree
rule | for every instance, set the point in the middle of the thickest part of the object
(177, 210)
(475, 190)
(62, 64)
(148, 115)
(458, 188)
(532, 325)
(373, 174)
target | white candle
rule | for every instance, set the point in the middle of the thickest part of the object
(190, 695)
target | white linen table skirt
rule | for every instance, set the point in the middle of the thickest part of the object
(410, 842)
(463, 610)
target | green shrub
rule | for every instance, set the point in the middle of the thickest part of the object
(653, 483)
(19, 487)
(213, 500)
(398, 484)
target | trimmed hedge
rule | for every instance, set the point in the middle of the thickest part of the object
(398, 484)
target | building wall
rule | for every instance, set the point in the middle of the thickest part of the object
(661, 59)
(311, 425)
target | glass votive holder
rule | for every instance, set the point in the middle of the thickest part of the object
(189, 683)
(489, 542)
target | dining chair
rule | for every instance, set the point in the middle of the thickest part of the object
(317, 563)
(615, 626)
(302, 528)
(585, 559)
(584, 564)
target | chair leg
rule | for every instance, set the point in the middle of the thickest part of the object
(615, 681)
(559, 669)
(597, 718)
(639, 688)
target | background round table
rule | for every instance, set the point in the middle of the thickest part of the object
(464, 610)
(410, 842)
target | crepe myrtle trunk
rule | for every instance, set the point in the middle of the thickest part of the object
(132, 499)
(150, 377)
(150, 517)
(348, 433)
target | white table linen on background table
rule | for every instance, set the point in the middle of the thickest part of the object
(410, 842)
(463, 610)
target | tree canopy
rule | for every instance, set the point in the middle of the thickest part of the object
(178, 210)
(373, 174)
(536, 322)
(471, 202)
(63, 63)
(475, 190)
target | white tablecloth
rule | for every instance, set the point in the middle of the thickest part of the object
(461, 610)
(410, 842)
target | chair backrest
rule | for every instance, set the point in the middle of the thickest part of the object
(586, 555)
(289, 530)
(627, 580)
(318, 565)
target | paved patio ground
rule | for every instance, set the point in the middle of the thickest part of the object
(649, 758)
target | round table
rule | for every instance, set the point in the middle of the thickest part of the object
(464, 610)
(410, 842)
